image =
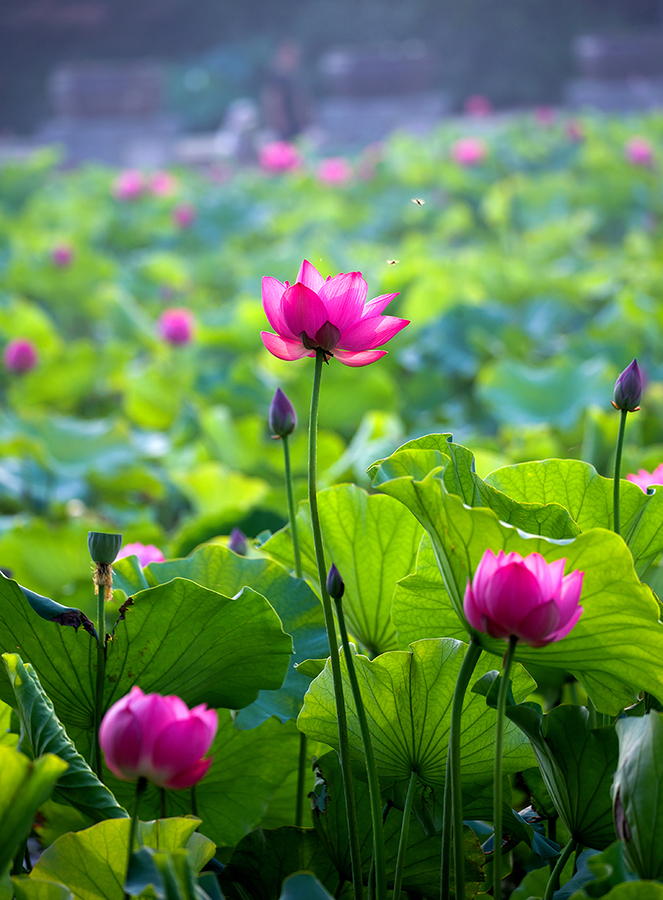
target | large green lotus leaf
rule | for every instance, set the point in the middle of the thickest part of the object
(247, 768)
(27, 888)
(7, 738)
(577, 764)
(93, 863)
(44, 733)
(616, 647)
(589, 498)
(178, 638)
(407, 696)
(297, 606)
(24, 786)
(373, 544)
(303, 886)
(630, 890)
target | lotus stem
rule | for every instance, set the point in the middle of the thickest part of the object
(102, 576)
(553, 881)
(405, 830)
(447, 818)
(618, 466)
(497, 779)
(343, 741)
(141, 784)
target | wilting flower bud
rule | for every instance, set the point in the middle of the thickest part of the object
(524, 597)
(282, 415)
(146, 553)
(628, 389)
(237, 542)
(335, 584)
(20, 355)
(103, 547)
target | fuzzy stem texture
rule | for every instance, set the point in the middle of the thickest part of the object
(618, 466)
(343, 741)
(497, 779)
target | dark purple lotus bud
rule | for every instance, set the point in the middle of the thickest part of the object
(335, 584)
(237, 542)
(628, 389)
(282, 416)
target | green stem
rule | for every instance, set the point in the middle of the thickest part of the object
(301, 781)
(343, 742)
(194, 802)
(468, 666)
(553, 881)
(497, 779)
(141, 784)
(618, 466)
(405, 829)
(447, 818)
(291, 507)
(371, 770)
(101, 672)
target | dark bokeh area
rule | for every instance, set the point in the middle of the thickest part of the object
(516, 52)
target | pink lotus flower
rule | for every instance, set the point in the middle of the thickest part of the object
(478, 105)
(157, 738)
(469, 151)
(184, 215)
(146, 553)
(330, 315)
(279, 156)
(575, 131)
(176, 326)
(128, 185)
(645, 479)
(335, 170)
(639, 152)
(523, 596)
(62, 255)
(20, 355)
(545, 115)
(163, 184)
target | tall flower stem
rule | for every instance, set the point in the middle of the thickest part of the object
(343, 742)
(405, 830)
(447, 819)
(497, 779)
(101, 671)
(301, 769)
(618, 466)
(141, 784)
(553, 881)
(371, 770)
(468, 666)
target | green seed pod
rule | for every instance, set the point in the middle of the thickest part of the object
(103, 547)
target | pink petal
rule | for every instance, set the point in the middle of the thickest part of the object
(344, 296)
(471, 610)
(510, 596)
(310, 276)
(349, 358)
(484, 571)
(377, 306)
(569, 596)
(368, 334)
(178, 746)
(121, 739)
(155, 713)
(536, 564)
(540, 623)
(495, 630)
(302, 310)
(272, 293)
(188, 777)
(568, 627)
(284, 348)
(209, 718)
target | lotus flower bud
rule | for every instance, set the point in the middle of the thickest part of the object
(237, 542)
(20, 355)
(176, 326)
(128, 185)
(279, 156)
(282, 415)
(103, 547)
(628, 389)
(639, 152)
(163, 184)
(146, 553)
(335, 584)
(62, 255)
(469, 151)
(334, 170)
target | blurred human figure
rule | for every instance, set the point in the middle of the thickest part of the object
(285, 104)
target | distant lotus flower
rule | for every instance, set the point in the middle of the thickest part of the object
(330, 315)
(545, 115)
(575, 131)
(128, 185)
(523, 596)
(628, 389)
(478, 105)
(645, 479)
(184, 215)
(335, 170)
(157, 738)
(282, 415)
(279, 156)
(469, 151)
(146, 553)
(237, 542)
(639, 152)
(62, 255)
(163, 184)
(176, 326)
(20, 355)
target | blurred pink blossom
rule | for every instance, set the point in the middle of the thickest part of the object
(279, 156)
(575, 131)
(469, 151)
(176, 326)
(62, 255)
(20, 355)
(163, 184)
(545, 115)
(639, 152)
(128, 185)
(335, 170)
(184, 215)
(645, 479)
(478, 105)
(146, 553)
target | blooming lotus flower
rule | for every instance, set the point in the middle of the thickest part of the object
(279, 156)
(20, 355)
(176, 326)
(157, 738)
(332, 315)
(523, 596)
(645, 479)
(128, 185)
(469, 151)
(334, 170)
(628, 388)
(478, 105)
(146, 553)
(184, 215)
(639, 152)
(62, 255)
